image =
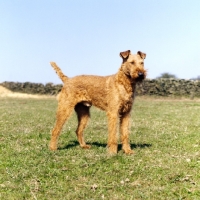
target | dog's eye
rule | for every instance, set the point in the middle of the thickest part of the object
(132, 62)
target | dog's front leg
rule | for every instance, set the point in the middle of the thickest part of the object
(112, 132)
(124, 130)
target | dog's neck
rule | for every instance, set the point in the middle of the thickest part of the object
(125, 80)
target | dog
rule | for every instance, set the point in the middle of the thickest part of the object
(114, 94)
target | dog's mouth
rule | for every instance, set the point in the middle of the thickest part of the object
(140, 77)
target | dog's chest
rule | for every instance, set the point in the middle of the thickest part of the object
(125, 100)
(125, 107)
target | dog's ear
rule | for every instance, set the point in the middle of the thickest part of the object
(142, 55)
(125, 54)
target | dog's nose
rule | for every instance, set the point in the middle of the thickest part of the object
(140, 74)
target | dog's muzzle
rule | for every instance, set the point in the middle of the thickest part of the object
(140, 75)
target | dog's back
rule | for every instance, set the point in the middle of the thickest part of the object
(93, 87)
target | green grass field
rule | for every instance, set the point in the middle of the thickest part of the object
(165, 135)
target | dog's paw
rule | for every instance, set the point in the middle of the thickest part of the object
(128, 151)
(52, 147)
(112, 150)
(111, 153)
(86, 146)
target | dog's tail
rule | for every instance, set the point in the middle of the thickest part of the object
(59, 72)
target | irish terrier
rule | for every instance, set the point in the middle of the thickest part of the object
(113, 94)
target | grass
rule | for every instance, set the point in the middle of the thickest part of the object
(164, 135)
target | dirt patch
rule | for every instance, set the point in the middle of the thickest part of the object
(4, 92)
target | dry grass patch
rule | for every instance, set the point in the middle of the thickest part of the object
(4, 92)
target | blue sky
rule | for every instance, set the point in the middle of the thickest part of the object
(85, 37)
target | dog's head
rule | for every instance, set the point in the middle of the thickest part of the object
(133, 65)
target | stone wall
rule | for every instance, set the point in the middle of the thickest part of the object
(157, 87)
(170, 87)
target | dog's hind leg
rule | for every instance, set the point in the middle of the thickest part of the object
(64, 111)
(124, 130)
(83, 115)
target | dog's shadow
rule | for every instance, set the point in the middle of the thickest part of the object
(98, 144)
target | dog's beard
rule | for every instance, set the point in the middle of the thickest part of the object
(140, 78)
(134, 77)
